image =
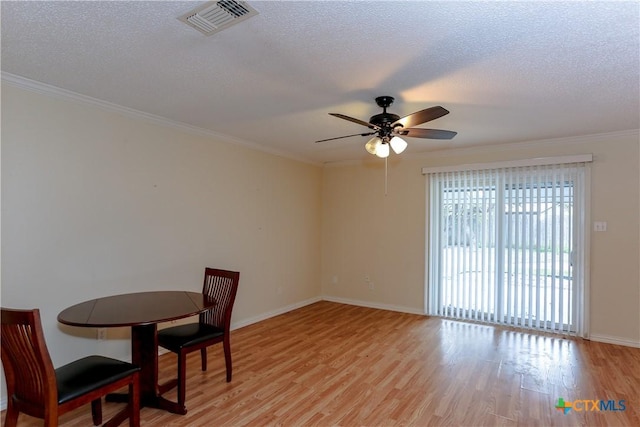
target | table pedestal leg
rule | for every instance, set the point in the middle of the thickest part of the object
(144, 353)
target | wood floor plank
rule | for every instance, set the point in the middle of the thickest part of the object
(331, 364)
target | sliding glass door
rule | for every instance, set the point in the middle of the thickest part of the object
(507, 246)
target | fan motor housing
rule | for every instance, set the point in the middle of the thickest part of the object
(383, 119)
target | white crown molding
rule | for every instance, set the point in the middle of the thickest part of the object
(447, 152)
(579, 139)
(54, 91)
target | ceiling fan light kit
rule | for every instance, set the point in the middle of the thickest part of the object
(372, 145)
(382, 150)
(398, 144)
(380, 147)
(387, 128)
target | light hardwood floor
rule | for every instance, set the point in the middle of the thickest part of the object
(330, 364)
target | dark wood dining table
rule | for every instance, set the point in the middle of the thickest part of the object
(142, 312)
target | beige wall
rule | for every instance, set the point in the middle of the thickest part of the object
(366, 233)
(96, 203)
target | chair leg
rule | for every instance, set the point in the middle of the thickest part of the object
(227, 357)
(11, 417)
(51, 418)
(203, 358)
(182, 380)
(134, 401)
(96, 411)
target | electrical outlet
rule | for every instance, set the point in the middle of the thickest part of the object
(371, 287)
(101, 334)
(599, 226)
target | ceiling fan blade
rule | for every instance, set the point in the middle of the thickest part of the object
(421, 116)
(358, 121)
(427, 133)
(347, 136)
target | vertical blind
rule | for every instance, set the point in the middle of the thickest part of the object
(507, 246)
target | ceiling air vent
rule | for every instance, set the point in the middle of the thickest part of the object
(215, 16)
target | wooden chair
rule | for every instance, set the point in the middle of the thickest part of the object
(35, 388)
(213, 327)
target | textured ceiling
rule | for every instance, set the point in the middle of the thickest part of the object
(507, 71)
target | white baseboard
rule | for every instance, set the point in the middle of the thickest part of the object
(263, 316)
(236, 325)
(614, 340)
(273, 313)
(370, 304)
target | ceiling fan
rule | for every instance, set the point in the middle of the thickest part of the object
(388, 127)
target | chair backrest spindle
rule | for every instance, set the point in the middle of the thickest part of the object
(221, 286)
(26, 360)
(36, 388)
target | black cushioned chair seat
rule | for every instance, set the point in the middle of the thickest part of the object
(177, 337)
(88, 374)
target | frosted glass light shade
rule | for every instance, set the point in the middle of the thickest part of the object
(382, 150)
(372, 145)
(398, 144)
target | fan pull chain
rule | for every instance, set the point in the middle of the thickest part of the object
(385, 175)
